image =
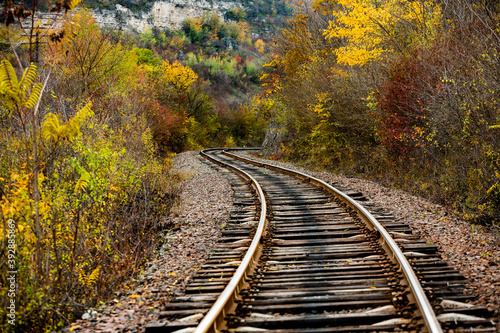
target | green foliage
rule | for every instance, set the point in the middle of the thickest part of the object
(145, 56)
(217, 65)
(193, 30)
(236, 14)
(147, 37)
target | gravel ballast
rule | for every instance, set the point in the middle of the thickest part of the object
(196, 224)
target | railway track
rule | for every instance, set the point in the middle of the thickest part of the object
(298, 255)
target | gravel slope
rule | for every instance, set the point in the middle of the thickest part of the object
(206, 197)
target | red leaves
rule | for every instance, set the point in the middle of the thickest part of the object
(239, 60)
(404, 100)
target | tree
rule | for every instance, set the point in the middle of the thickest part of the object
(319, 105)
(236, 14)
(87, 57)
(371, 29)
(68, 178)
(147, 37)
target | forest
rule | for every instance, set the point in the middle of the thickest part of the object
(401, 92)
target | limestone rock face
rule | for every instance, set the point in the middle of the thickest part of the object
(163, 14)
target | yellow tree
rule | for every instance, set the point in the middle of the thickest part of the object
(177, 76)
(371, 29)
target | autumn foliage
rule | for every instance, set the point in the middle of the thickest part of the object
(89, 121)
(400, 91)
(78, 154)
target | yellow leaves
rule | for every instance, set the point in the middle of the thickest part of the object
(74, 327)
(277, 60)
(263, 77)
(259, 45)
(87, 56)
(17, 202)
(65, 5)
(359, 24)
(179, 76)
(148, 141)
(239, 30)
(89, 280)
(272, 82)
(53, 131)
(134, 296)
(319, 107)
(355, 55)
(194, 23)
(8, 79)
(74, 3)
(372, 29)
(19, 94)
(324, 6)
(82, 183)
(51, 127)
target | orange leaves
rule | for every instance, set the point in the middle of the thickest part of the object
(259, 45)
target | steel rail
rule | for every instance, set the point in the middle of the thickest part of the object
(431, 322)
(213, 320)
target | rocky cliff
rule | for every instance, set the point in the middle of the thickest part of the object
(163, 14)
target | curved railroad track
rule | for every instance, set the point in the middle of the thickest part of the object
(299, 255)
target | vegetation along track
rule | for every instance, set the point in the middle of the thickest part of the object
(301, 256)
